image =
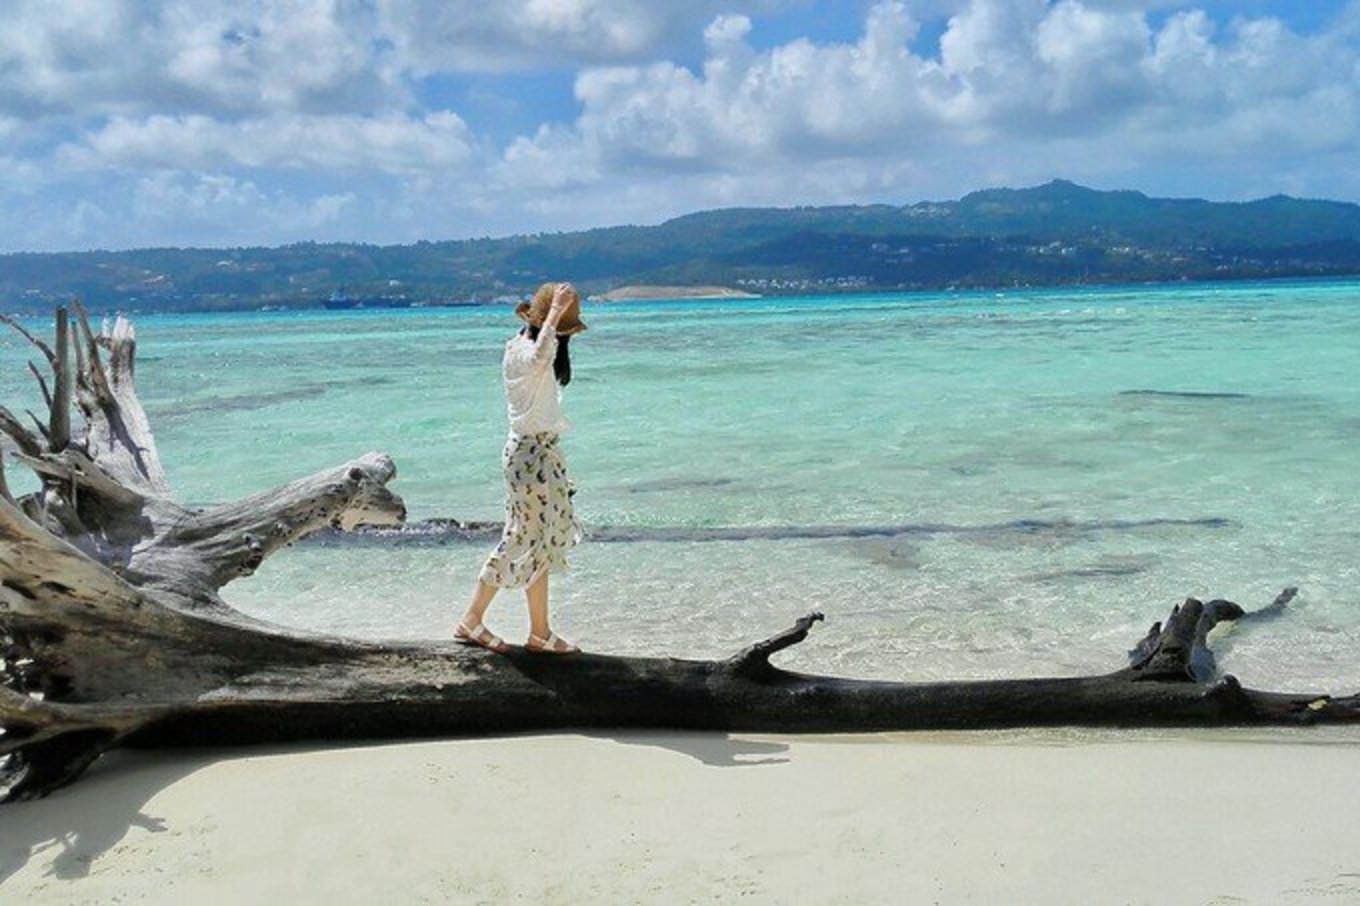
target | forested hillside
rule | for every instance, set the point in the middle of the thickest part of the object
(1051, 234)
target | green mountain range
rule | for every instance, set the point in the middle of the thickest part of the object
(1057, 233)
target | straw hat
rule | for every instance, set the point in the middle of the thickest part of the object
(534, 312)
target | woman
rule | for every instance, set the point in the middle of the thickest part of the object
(540, 525)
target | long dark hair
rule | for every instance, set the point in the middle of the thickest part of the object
(562, 361)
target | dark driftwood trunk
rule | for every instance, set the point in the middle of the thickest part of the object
(114, 633)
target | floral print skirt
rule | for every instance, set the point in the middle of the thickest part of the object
(540, 524)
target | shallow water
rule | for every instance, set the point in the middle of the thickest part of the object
(976, 485)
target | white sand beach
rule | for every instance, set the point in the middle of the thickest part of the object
(1051, 816)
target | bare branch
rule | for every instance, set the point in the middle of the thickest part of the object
(756, 658)
(75, 469)
(23, 438)
(118, 435)
(22, 715)
(38, 423)
(59, 404)
(121, 341)
(1275, 608)
(42, 384)
(92, 373)
(209, 549)
(1179, 650)
(23, 331)
(80, 356)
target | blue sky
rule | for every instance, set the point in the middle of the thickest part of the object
(128, 124)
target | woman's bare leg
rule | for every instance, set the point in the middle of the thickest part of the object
(537, 596)
(481, 600)
(476, 613)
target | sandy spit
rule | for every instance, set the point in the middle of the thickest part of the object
(639, 293)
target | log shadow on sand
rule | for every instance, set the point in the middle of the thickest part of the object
(714, 749)
(88, 822)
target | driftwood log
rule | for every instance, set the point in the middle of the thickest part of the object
(114, 633)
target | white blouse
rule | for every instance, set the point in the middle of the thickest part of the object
(533, 398)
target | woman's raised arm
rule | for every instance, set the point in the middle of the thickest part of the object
(545, 346)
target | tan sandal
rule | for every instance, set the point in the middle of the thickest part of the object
(553, 644)
(480, 636)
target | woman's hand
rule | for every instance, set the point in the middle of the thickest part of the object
(562, 294)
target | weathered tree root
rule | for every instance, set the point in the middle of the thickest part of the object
(114, 633)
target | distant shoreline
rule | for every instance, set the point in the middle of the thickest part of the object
(1056, 234)
(649, 293)
(275, 306)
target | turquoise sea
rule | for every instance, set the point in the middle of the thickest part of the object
(967, 484)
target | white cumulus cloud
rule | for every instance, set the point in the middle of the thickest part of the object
(456, 35)
(125, 56)
(1019, 89)
(131, 121)
(392, 143)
